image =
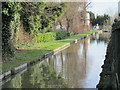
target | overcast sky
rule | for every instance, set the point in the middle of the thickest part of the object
(99, 7)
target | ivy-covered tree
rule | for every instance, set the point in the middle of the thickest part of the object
(39, 17)
(31, 15)
(7, 16)
(36, 17)
(52, 13)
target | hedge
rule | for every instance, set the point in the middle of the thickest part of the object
(45, 37)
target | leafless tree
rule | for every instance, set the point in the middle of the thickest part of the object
(74, 16)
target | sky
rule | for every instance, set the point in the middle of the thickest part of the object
(101, 7)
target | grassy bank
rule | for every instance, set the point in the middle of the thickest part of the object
(29, 52)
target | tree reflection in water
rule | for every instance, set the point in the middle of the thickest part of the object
(75, 62)
(103, 37)
(79, 66)
(38, 76)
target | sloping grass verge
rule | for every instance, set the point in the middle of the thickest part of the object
(21, 57)
(29, 52)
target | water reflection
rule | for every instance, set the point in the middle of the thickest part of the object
(103, 37)
(72, 63)
(79, 64)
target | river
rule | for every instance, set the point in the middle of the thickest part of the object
(80, 64)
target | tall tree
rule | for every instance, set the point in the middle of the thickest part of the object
(7, 17)
(36, 17)
(101, 20)
(74, 16)
(92, 18)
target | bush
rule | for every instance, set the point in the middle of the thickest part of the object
(60, 34)
(116, 24)
(45, 37)
(71, 33)
(49, 36)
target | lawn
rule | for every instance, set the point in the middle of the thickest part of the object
(29, 52)
(21, 57)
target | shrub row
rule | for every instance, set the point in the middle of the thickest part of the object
(45, 37)
(60, 34)
(49, 36)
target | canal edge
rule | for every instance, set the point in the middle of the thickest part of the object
(24, 66)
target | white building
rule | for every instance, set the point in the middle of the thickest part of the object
(87, 19)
